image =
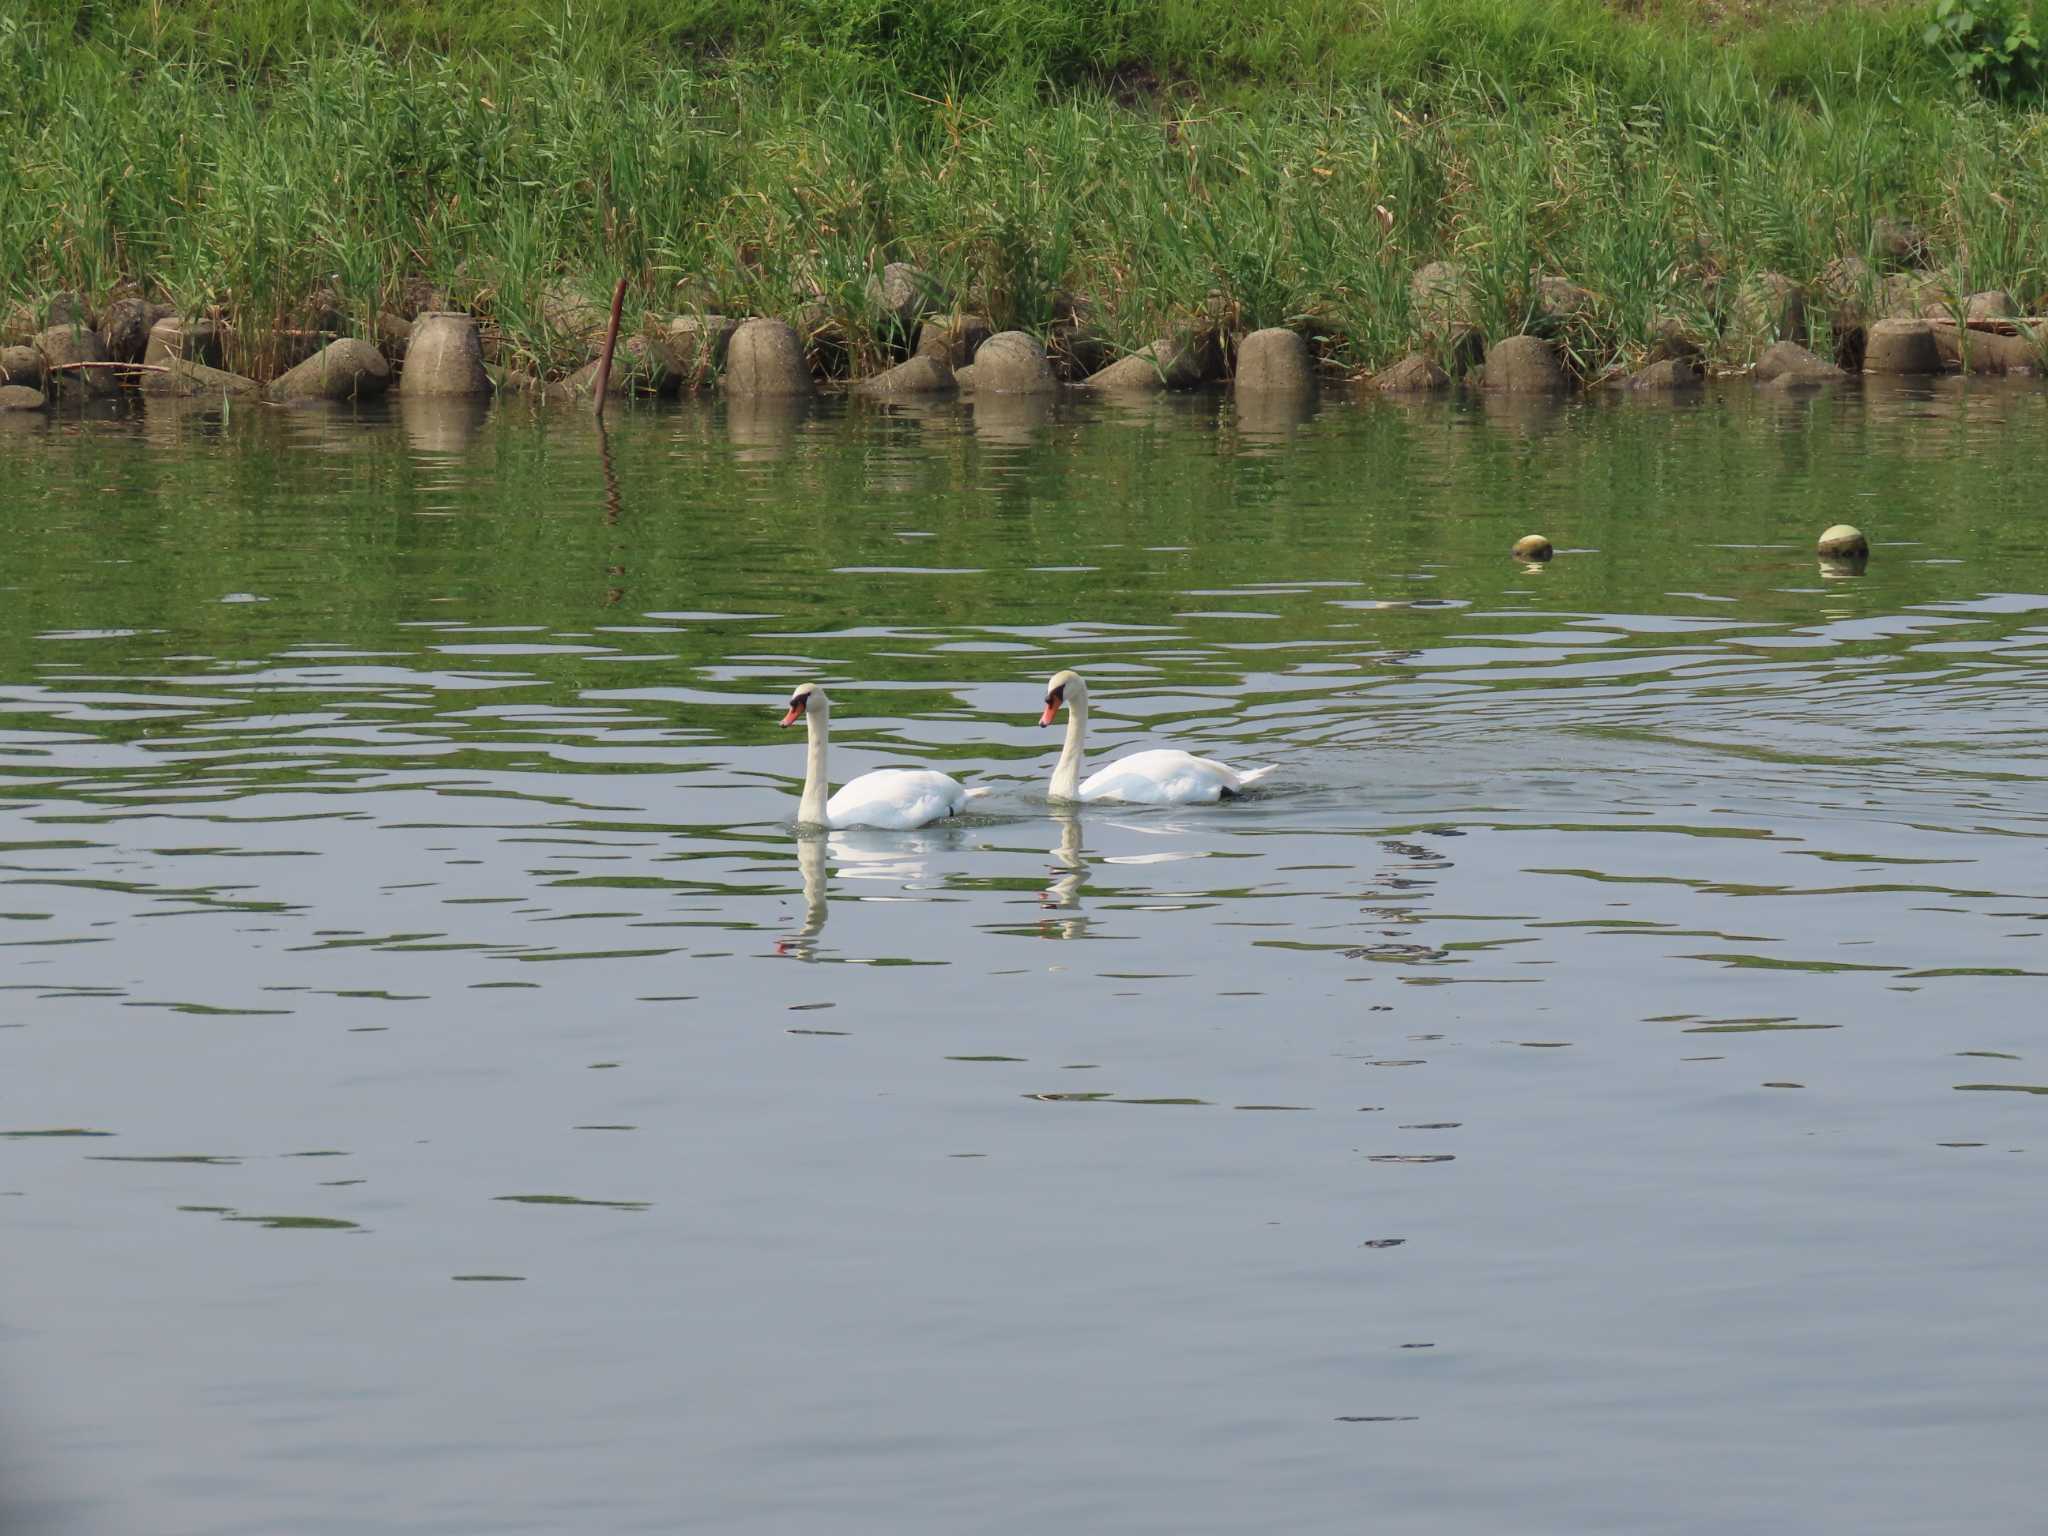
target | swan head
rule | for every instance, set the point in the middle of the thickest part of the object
(1059, 688)
(808, 699)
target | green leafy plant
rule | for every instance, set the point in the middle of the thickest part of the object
(1990, 44)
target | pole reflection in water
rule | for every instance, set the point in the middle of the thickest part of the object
(614, 509)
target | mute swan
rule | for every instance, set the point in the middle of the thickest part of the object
(895, 798)
(1159, 777)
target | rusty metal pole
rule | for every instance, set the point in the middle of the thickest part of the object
(604, 361)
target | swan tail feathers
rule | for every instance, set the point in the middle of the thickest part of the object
(1252, 776)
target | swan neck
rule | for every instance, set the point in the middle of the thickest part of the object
(810, 810)
(1066, 776)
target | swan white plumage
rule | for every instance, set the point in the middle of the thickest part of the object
(1158, 777)
(894, 798)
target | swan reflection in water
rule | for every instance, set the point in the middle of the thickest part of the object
(810, 863)
(1068, 878)
(864, 853)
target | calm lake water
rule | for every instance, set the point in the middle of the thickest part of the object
(1599, 1084)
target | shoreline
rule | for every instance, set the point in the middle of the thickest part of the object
(942, 353)
(456, 417)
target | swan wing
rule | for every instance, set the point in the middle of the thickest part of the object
(1159, 777)
(1165, 777)
(895, 798)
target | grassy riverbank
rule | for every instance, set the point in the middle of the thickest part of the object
(1280, 160)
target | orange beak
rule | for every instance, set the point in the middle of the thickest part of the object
(1050, 711)
(796, 713)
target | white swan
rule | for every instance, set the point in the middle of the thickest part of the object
(1160, 777)
(888, 797)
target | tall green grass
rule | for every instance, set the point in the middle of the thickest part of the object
(1279, 161)
(932, 45)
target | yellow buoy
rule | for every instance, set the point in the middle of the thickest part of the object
(1842, 542)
